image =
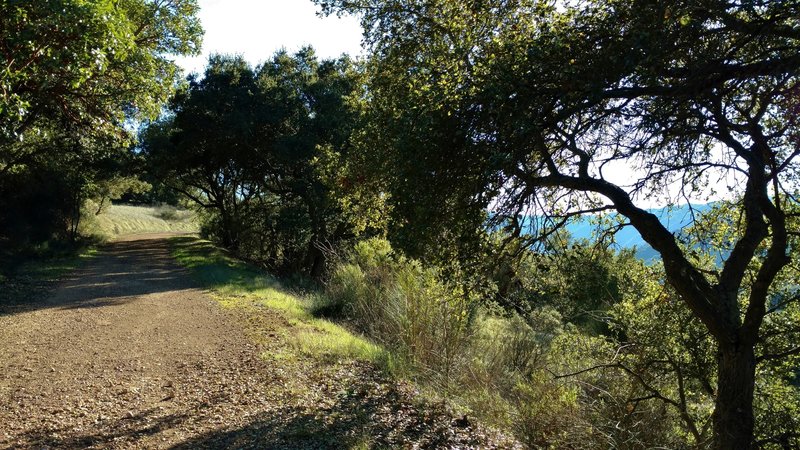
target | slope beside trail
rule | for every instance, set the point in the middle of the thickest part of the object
(128, 352)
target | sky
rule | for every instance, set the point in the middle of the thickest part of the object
(256, 29)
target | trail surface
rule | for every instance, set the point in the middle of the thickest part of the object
(128, 352)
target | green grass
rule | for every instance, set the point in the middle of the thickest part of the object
(237, 285)
(52, 268)
(34, 276)
(120, 220)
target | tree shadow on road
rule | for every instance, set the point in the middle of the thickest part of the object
(368, 414)
(118, 273)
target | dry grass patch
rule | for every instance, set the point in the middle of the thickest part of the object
(120, 220)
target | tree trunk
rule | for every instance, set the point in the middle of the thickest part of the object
(733, 412)
(75, 218)
(315, 260)
(315, 257)
(228, 239)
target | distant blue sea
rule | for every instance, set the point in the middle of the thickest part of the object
(674, 219)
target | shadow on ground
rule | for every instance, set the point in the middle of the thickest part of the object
(118, 273)
(362, 417)
(216, 268)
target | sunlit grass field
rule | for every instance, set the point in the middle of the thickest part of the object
(120, 220)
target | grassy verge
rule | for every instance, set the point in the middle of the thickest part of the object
(33, 277)
(237, 285)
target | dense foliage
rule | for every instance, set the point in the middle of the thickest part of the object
(77, 76)
(527, 108)
(252, 147)
(643, 379)
(427, 191)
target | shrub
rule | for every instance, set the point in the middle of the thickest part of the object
(404, 306)
(498, 367)
(540, 376)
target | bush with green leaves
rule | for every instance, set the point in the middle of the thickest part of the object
(646, 381)
(525, 373)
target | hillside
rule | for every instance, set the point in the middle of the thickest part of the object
(119, 220)
(675, 218)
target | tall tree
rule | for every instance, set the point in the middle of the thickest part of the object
(206, 147)
(527, 107)
(248, 144)
(76, 76)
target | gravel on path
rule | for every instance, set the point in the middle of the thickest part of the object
(128, 352)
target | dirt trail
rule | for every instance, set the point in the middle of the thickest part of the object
(129, 353)
(124, 352)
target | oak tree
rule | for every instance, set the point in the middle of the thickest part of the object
(559, 109)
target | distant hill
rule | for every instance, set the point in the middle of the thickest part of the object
(674, 218)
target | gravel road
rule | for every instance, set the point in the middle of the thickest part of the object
(128, 352)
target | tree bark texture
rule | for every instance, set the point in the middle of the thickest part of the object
(734, 420)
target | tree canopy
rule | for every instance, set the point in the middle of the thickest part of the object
(250, 145)
(77, 78)
(525, 108)
(91, 64)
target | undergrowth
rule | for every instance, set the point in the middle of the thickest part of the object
(488, 363)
